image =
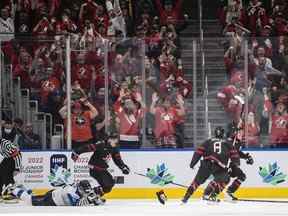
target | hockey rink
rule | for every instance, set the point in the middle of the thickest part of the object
(152, 207)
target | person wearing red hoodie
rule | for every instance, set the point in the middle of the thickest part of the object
(168, 13)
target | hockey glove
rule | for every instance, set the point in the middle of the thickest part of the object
(125, 169)
(162, 198)
(74, 156)
(249, 159)
(92, 198)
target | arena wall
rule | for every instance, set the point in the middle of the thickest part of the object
(38, 166)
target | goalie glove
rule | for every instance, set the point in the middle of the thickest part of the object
(125, 169)
(249, 159)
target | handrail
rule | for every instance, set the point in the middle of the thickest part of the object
(60, 133)
(203, 71)
(68, 93)
(207, 126)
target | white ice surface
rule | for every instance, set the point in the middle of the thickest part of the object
(152, 207)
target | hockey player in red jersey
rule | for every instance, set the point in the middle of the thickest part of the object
(234, 170)
(103, 150)
(216, 153)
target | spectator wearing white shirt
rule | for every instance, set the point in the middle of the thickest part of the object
(6, 25)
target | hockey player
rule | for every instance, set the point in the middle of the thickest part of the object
(80, 194)
(216, 153)
(103, 151)
(10, 163)
(235, 171)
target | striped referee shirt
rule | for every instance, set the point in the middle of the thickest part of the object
(8, 150)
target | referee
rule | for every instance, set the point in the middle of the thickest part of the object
(10, 162)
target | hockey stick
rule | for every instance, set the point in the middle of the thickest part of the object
(169, 182)
(265, 201)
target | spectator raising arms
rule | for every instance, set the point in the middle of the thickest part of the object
(129, 118)
(166, 116)
(81, 121)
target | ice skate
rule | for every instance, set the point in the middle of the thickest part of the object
(228, 196)
(211, 198)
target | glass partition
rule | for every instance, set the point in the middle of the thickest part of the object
(127, 93)
(86, 97)
(145, 94)
(33, 75)
(249, 99)
(171, 121)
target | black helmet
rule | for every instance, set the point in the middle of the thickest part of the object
(84, 187)
(219, 132)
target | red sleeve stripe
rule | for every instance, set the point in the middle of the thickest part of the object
(233, 151)
(199, 152)
(234, 156)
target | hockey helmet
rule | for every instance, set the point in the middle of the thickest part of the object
(219, 132)
(84, 187)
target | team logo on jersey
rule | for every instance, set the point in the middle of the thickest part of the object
(58, 167)
(80, 120)
(272, 174)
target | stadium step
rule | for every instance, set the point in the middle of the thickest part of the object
(216, 76)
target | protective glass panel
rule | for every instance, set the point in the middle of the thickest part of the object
(32, 88)
(227, 80)
(266, 114)
(87, 95)
(169, 122)
(127, 94)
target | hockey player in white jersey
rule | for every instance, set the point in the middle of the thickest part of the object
(80, 194)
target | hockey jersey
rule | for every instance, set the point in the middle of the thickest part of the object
(68, 196)
(216, 150)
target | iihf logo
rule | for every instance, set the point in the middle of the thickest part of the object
(56, 161)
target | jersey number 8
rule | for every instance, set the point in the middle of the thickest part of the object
(217, 147)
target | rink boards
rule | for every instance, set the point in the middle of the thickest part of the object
(38, 168)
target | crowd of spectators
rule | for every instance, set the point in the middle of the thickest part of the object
(137, 37)
(264, 26)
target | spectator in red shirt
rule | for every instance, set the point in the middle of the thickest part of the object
(43, 27)
(166, 116)
(101, 19)
(257, 17)
(169, 13)
(129, 117)
(253, 130)
(23, 69)
(87, 11)
(279, 127)
(82, 72)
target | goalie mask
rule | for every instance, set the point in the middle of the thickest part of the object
(219, 132)
(84, 187)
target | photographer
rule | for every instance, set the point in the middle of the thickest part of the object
(82, 114)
